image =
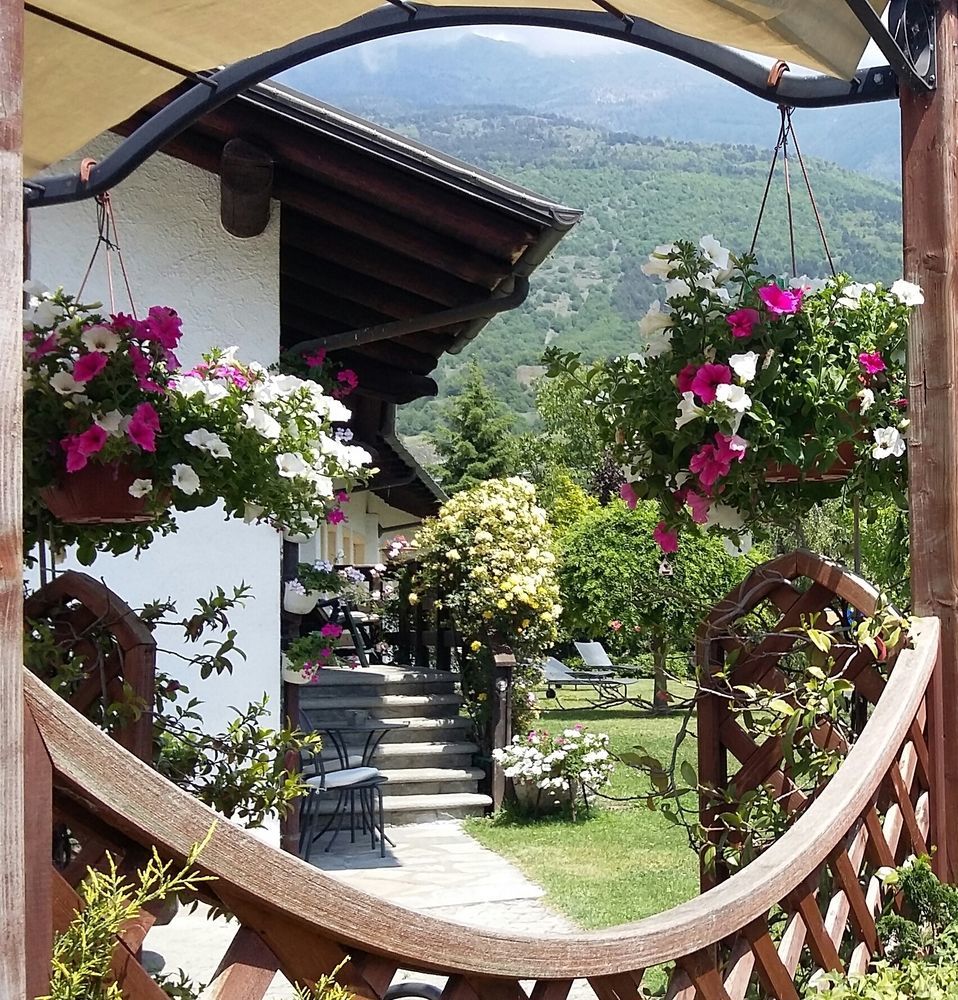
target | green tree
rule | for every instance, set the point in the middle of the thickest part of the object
(612, 589)
(475, 438)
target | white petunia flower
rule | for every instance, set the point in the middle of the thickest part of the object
(676, 288)
(253, 512)
(112, 423)
(140, 487)
(733, 396)
(722, 516)
(888, 443)
(745, 543)
(715, 252)
(907, 292)
(867, 398)
(291, 465)
(65, 384)
(655, 319)
(658, 265)
(101, 339)
(688, 411)
(852, 293)
(744, 365)
(185, 479)
(809, 285)
(35, 289)
(261, 421)
(41, 313)
(207, 441)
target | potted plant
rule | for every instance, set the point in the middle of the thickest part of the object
(119, 435)
(751, 383)
(306, 656)
(551, 771)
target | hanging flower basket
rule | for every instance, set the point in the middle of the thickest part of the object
(99, 494)
(297, 600)
(741, 373)
(837, 472)
(108, 409)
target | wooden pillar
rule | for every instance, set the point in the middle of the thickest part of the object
(12, 826)
(500, 720)
(930, 212)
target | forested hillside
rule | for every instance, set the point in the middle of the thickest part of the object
(637, 193)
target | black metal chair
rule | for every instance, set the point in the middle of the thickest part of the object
(345, 784)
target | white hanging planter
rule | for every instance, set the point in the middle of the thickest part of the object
(298, 603)
(293, 675)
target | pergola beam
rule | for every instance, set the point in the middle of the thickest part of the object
(876, 84)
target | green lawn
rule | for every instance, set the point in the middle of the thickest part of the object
(623, 863)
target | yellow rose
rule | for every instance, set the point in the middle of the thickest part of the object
(475, 645)
(413, 598)
(501, 604)
(481, 696)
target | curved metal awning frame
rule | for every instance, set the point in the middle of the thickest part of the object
(401, 17)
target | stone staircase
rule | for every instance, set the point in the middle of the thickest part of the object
(429, 762)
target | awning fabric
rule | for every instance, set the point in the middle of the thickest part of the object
(77, 87)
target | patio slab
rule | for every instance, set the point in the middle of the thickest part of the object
(435, 868)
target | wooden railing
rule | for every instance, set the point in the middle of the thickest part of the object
(817, 882)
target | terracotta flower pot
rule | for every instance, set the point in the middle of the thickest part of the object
(98, 494)
(839, 470)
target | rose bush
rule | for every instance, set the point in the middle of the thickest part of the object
(747, 378)
(110, 392)
(488, 555)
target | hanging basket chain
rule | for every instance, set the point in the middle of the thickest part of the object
(107, 238)
(786, 132)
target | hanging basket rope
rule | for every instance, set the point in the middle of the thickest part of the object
(786, 134)
(107, 240)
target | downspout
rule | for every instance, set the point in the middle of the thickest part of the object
(399, 328)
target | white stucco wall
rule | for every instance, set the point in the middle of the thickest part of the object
(227, 292)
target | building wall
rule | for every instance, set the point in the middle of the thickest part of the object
(227, 292)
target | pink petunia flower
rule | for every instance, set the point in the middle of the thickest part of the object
(667, 541)
(162, 325)
(143, 425)
(902, 404)
(628, 494)
(331, 630)
(335, 516)
(731, 447)
(348, 381)
(707, 378)
(872, 363)
(781, 301)
(698, 505)
(316, 359)
(342, 496)
(89, 366)
(709, 466)
(81, 446)
(615, 625)
(743, 322)
(684, 379)
(45, 346)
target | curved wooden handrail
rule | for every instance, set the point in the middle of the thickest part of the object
(125, 794)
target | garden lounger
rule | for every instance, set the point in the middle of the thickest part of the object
(609, 690)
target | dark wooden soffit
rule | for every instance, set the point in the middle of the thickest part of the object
(376, 228)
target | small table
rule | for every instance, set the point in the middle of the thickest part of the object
(369, 733)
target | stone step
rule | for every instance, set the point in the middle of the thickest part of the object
(331, 710)
(401, 810)
(432, 780)
(378, 679)
(404, 756)
(423, 730)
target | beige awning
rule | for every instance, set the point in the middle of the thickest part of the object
(77, 87)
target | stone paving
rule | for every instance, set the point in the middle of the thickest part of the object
(436, 868)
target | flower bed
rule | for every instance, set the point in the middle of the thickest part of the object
(746, 379)
(107, 395)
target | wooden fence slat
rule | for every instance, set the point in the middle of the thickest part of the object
(246, 971)
(706, 978)
(551, 989)
(38, 819)
(820, 944)
(776, 979)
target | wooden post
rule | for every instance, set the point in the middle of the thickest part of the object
(500, 722)
(12, 826)
(930, 222)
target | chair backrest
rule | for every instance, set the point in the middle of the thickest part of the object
(555, 670)
(593, 654)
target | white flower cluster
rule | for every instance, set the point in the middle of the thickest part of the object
(568, 761)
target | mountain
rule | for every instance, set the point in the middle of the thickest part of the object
(634, 147)
(619, 87)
